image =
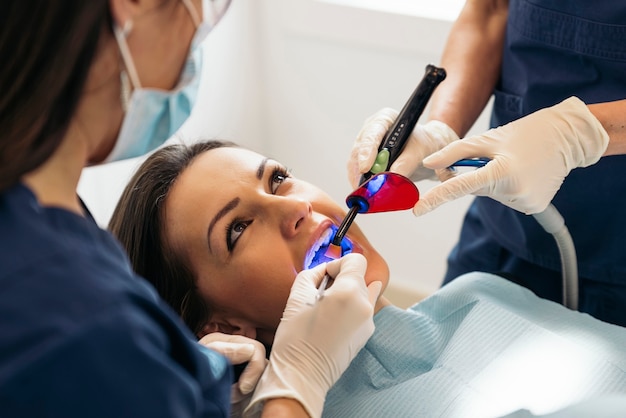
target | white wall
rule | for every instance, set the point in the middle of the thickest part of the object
(296, 79)
(328, 66)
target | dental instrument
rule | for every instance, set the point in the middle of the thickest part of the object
(322, 288)
(393, 144)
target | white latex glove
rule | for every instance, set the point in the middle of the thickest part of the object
(424, 140)
(316, 341)
(239, 349)
(530, 158)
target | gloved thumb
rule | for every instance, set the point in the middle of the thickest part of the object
(351, 265)
(253, 371)
(374, 290)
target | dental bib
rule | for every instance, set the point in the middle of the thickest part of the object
(480, 347)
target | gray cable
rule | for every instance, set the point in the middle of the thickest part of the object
(552, 221)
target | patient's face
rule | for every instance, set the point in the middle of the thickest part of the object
(247, 228)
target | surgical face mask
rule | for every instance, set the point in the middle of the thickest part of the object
(153, 115)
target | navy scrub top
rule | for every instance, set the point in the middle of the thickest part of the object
(81, 335)
(555, 49)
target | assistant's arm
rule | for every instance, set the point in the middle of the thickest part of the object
(612, 116)
(472, 58)
(570, 134)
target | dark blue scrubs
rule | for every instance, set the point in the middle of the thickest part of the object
(555, 49)
(82, 336)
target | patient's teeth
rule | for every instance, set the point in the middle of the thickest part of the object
(323, 240)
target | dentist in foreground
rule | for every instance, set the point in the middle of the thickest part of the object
(85, 82)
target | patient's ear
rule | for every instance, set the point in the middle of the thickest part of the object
(230, 326)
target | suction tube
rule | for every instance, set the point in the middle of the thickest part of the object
(552, 222)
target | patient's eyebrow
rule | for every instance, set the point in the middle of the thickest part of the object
(261, 169)
(227, 208)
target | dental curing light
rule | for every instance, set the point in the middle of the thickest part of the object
(393, 143)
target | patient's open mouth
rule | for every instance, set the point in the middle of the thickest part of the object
(316, 254)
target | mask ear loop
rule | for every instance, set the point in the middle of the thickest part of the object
(214, 10)
(197, 20)
(131, 72)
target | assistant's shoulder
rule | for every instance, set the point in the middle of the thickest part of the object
(81, 334)
(117, 363)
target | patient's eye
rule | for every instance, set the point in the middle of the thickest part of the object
(279, 175)
(234, 231)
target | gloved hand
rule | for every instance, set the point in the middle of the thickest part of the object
(316, 341)
(530, 158)
(424, 140)
(239, 349)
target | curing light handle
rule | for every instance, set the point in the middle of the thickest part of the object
(395, 139)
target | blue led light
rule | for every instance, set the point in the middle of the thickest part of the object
(374, 185)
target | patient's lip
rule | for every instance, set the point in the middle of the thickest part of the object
(321, 229)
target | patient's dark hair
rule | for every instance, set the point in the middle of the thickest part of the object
(138, 223)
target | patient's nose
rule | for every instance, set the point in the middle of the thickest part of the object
(292, 213)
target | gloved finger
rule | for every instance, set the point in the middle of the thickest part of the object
(304, 288)
(311, 278)
(349, 267)
(471, 147)
(452, 189)
(253, 371)
(371, 135)
(410, 158)
(365, 147)
(349, 273)
(424, 140)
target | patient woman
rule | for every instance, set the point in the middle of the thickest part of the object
(222, 231)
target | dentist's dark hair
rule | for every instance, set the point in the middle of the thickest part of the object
(46, 48)
(138, 222)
